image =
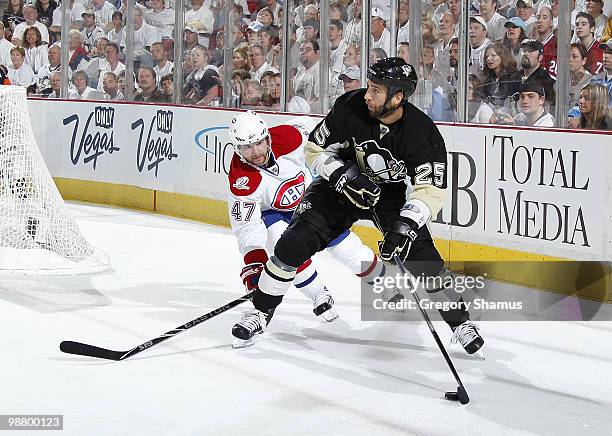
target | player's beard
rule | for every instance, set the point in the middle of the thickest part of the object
(381, 111)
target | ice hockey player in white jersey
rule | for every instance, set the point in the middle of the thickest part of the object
(267, 178)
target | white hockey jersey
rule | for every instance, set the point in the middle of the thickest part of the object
(257, 195)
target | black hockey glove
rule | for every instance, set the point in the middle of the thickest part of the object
(358, 187)
(401, 233)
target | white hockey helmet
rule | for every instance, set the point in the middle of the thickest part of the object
(247, 128)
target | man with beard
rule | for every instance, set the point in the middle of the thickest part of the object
(374, 151)
(532, 71)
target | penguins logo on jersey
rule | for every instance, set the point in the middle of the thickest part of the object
(378, 163)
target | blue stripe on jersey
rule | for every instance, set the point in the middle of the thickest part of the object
(270, 217)
(306, 282)
(339, 239)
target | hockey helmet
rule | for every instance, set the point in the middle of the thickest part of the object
(248, 128)
(394, 73)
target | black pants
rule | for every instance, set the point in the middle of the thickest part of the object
(323, 214)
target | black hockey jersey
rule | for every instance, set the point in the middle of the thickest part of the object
(408, 153)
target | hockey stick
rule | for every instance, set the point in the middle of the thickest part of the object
(461, 393)
(81, 349)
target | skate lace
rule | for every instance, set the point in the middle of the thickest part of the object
(465, 333)
(322, 297)
(253, 319)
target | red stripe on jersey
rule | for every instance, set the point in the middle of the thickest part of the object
(285, 139)
(304, 265)
(370, 268)
(243, 178)
(258, 255)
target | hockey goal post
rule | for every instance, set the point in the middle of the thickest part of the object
(37, 234)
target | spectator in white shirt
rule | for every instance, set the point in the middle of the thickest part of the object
(20, 73)
(201, 19)
(31, 16)
(381, 38)
(404, 21)
(117, 33)
(111, 64)
(478, 44)
(55, 85)
(77, 7)
(144, 34)
(46, 72)
(495, 21)
(91, 32)
(36, 55)
(111, 87)
(104, 14)
(524, 10)
(306, 80)
(162, 65)
(5, 48)
(82, 91)
(161, 17)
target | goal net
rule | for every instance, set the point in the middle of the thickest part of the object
(37, 234)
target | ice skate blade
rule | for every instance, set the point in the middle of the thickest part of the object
(330, 315)
(241, 343)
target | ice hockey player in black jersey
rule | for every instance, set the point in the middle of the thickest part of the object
(373, 149)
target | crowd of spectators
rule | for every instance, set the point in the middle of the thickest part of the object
(512, 54)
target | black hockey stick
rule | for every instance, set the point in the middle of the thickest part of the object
(461, 394)
(103, 353)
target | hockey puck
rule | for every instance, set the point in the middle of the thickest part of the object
(451, 396)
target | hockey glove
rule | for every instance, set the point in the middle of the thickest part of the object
(358, 187)
(250, 275)
(401, 233)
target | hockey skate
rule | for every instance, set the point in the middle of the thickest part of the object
(467, 335)
(253, 322)
(323, 306)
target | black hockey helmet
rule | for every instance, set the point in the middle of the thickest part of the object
(394, 73)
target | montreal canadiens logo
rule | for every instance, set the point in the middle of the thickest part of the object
(289, 193)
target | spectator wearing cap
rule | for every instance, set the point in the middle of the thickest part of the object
(595, 111)
(117, 33)
(149, 92)
(495, 21)
(351, 79)
(579, 76)
(5, 48)
(524, 11)
(30, 13)
(200, 19)
(585, 31)
(605, 77)
(104, 14)
(532, 70)
(381, 37)
(167, 86)
(252, 32)
(478, 44)
(190, 38)
(515, 34)
(531, 104)
(306, 80)
(91, 31)
(544, 33)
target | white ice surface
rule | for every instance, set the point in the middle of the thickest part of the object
(305, 377)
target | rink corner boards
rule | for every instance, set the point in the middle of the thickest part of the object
(593, 279)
